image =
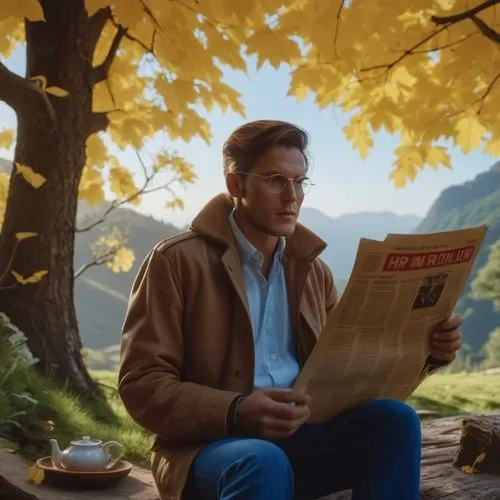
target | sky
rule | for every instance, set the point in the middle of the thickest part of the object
(344, 183)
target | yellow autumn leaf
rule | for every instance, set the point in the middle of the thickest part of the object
(91, 187)
(122, 261)
(122, 183)
(29, 9)
(93, 6)
(470, 133)
(437, 155)
(398, 177)
(184, 169)
(241, 9)
(58, 92)
(97, 153)
(161, 162)
(25, 235)
(4, 189)
(468, 469)
(492, 147)
(402, 76)
(34, 278)
(354, 56)
(6, 138)
(30, 176)
(269, 46)
(358, 133)
(174, 204)
(36, 475)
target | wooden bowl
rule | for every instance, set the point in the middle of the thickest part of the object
(62, 478)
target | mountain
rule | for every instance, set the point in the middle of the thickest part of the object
(343, 233)
(471, 204)
(101, 295)
(5, 165)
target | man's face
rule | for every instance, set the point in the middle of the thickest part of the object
(267, 207)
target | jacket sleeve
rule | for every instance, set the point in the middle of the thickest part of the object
(431, 366)
(150, 382)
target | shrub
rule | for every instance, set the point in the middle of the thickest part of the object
(17, 400)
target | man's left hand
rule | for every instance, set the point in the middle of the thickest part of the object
(446, 340)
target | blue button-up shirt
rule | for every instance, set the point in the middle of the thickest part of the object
(275, 354)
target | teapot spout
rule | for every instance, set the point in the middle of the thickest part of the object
(56, 454)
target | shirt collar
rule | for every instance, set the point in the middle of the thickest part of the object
(211, 223)
(245, 248)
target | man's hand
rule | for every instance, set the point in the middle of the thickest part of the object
(265, 414)
(446, 340)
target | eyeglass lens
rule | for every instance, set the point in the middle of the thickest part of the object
(279, 183)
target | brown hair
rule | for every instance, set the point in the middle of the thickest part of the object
(248, 143)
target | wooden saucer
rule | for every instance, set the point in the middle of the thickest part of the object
(62, 478)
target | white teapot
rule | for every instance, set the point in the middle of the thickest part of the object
(85, 455)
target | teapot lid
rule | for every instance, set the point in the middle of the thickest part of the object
(86, 441)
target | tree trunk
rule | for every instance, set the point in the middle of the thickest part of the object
(52, 143)
(480, 444)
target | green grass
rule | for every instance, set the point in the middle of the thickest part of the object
(445, 393)
(33, 410)
(474, 392)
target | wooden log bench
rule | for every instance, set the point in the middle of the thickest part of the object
(444, 442)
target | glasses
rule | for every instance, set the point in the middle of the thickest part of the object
(277, 183)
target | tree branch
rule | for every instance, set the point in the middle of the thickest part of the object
(98, 122)
(15, 90)
(444, 23)
(101, 72)
(114, 204)
(141, 191)
(487, 92)
(455, 18)
(98, 261)
(486, 30)
(339, 12)
(407, 52)
(96, 25)
(442, 47)
(149, 12)
(132, 38)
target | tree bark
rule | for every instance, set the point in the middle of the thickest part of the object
(480, 434)
(61, 50)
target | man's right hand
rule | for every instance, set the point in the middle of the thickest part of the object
(265, 414)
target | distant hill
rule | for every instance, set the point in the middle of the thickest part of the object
(471, 204)
(101, 295)
(5, 165)
(343, 233)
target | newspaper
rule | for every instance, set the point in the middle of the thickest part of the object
(376, 340)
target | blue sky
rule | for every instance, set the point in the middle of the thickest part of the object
(344, 182)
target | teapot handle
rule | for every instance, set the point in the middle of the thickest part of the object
(118, 446)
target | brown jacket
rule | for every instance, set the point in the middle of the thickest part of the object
(187, 345)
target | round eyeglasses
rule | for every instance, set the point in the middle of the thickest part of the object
(277, 183)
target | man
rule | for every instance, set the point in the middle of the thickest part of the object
(220, 320)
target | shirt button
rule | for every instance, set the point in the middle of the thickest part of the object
(273, 356)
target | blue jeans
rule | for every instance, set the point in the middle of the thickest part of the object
(374, 449)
